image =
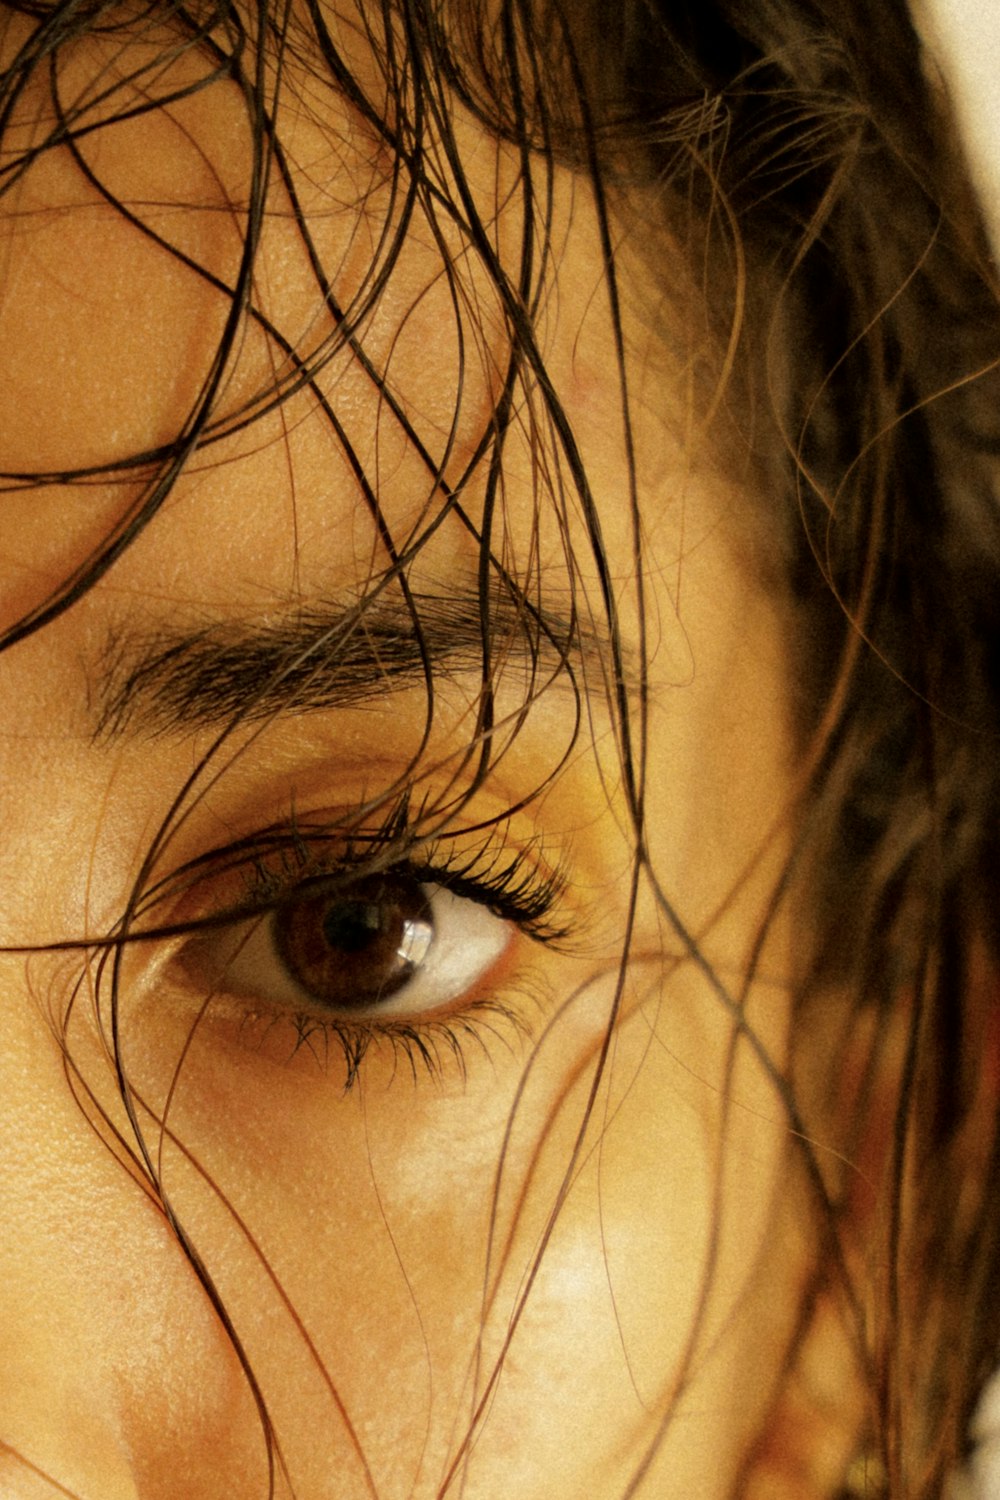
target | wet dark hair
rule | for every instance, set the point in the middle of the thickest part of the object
(796, 162)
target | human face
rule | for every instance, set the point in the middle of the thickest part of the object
(528, 1242)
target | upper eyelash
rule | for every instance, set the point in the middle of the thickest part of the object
(507, 881)
(272, 863)
(512, 888)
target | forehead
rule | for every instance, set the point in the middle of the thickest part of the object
(331, 321)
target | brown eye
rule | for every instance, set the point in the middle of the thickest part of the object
(350, 947)
(379, 948)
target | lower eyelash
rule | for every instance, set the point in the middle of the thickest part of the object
(427, 1046)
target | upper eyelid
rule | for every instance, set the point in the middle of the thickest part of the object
(523, 890)
(516, 882)
(278, 837)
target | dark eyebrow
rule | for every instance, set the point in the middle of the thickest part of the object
(169, 680)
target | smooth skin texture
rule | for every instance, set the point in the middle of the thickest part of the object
(376, 1248)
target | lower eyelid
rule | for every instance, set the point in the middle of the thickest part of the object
(333, 1050)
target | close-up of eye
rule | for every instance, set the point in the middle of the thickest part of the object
(382, 946)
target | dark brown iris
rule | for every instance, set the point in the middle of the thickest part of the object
(352, 946)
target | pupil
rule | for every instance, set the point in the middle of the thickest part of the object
(352, 926)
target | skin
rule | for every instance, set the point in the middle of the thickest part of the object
(370, 1220)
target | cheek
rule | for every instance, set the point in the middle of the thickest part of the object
(117, 1377)
(187, 1415)
(653, 1313)
(373, 1249)
(379, 1252)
